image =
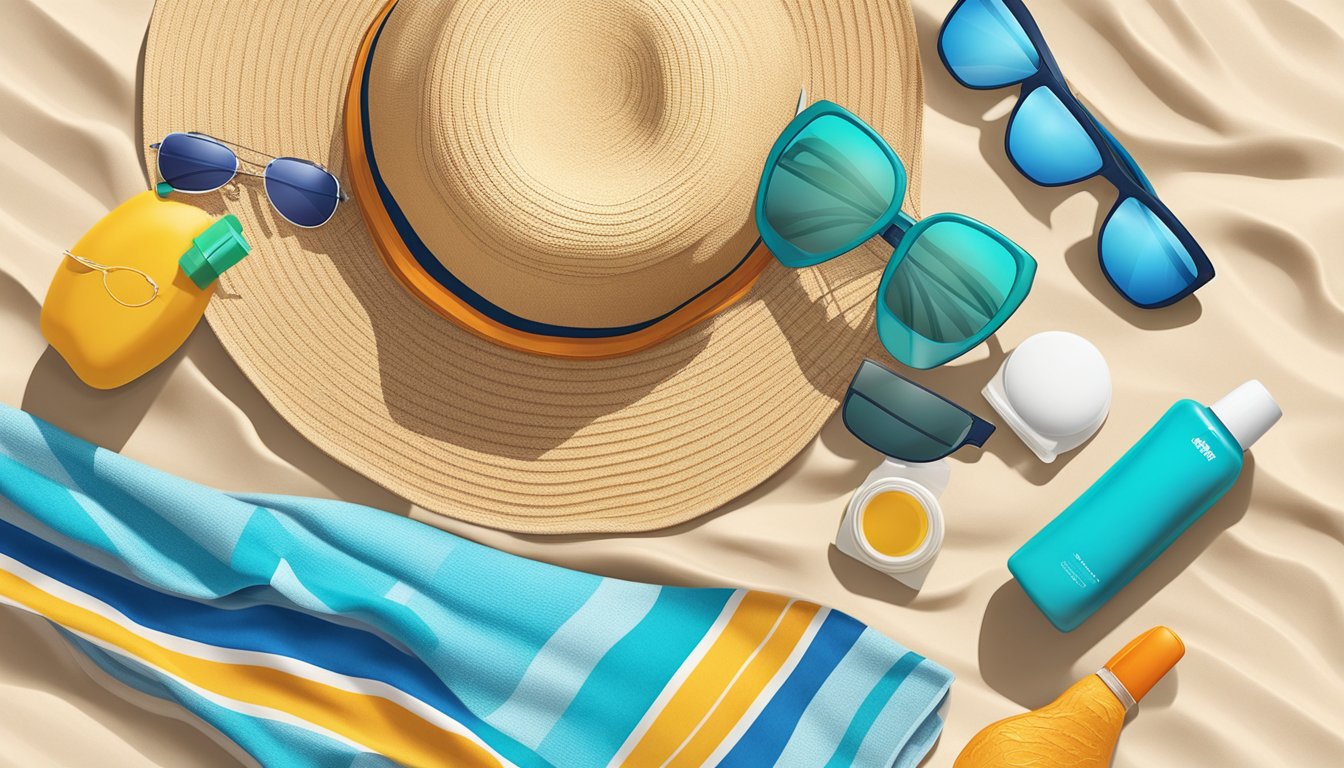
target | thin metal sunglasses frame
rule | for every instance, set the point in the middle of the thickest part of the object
(107, 270)
(238, 162)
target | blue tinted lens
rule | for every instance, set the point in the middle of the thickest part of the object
(985, 46)
(194, 163)
(301, 192)
(1048, 144)
(951, 283)
(1143, 257)
(831, 184)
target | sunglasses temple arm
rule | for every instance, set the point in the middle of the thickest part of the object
(980, 432)
(236, 145)
(895, 233)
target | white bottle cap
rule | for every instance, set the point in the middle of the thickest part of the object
(1248, 412)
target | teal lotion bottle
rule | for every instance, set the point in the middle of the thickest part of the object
(1165, 482)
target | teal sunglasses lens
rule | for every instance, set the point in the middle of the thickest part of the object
(1048, 144)
(985, 47)
(951, 284)
(900, 418)
(830, 185)
(1143, 257)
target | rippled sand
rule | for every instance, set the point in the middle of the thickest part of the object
(1236, 109)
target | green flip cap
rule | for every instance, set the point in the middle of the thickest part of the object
(214, 251)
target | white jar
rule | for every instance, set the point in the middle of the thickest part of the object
(923, 483)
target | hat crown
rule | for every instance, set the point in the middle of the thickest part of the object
(581, 163)
(349, 344)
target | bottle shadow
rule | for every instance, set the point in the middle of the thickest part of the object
(859, 579)
(1023, 657)
(105, 417)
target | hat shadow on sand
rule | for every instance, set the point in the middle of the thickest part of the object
(404, 394)
(407, 374)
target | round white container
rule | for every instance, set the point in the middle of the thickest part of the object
(909, 569)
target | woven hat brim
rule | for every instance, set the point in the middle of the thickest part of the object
(467, 428)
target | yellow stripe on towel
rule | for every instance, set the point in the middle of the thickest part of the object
(727, 661)
(752, 681)
(373, 722)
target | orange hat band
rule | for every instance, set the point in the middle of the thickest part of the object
(407, 256)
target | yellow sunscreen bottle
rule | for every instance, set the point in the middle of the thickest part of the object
(131, 290)
(1081, 727)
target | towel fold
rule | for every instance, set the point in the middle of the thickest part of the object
(319, 633)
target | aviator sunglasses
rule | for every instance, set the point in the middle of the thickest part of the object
(1146, 253)
(304, 193)
(831, 183)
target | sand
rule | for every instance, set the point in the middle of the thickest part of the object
(1236, 109)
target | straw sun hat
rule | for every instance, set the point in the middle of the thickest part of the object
(545, 308)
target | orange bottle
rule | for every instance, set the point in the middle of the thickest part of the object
(1080, 728)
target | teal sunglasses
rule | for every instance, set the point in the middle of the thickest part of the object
(831, 183)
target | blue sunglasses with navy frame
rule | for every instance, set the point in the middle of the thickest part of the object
(1146, 254)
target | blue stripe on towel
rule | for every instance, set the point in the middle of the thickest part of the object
(565, 662)
(261, 628)
(869, 710)
(765, 740)
(630, 677)
(903, 736)
(182, 582)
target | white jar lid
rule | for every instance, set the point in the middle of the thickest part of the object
(1054, 391)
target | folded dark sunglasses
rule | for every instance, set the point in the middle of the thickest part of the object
(907, 422)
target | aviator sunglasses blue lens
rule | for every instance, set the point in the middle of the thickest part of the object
(303, 192)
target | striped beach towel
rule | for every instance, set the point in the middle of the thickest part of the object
(319, 633)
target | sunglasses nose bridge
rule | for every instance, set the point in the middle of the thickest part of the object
(900, 226)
